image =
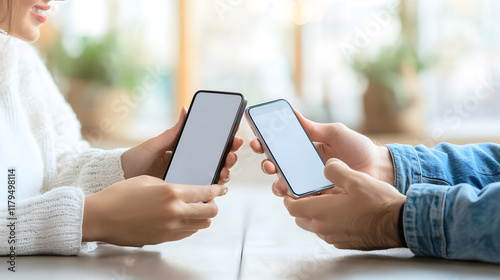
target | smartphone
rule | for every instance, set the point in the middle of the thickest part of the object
(287, 144)
(206, 138)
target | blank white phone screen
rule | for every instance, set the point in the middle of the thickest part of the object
(203, 140)
(290, 146)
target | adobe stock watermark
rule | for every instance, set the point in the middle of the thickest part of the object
(316, 264)
(454, 117)
(275, 122)
(313, 264)
(363, 36)
(223, 7)
(121, 275)
(56, 6)
(11, 218)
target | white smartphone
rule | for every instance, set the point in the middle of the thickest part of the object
(287, 144)
(206, 138)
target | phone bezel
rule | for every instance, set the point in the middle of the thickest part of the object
(270, 155)
(229, 140)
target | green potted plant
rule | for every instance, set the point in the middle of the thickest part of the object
(392, 100)
(97, 72)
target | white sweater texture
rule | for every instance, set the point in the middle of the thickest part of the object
(40, 137)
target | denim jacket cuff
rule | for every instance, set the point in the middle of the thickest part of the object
(423, 220)
(407, 169)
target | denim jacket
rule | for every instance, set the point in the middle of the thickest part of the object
(452, 208)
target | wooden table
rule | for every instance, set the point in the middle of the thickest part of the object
(253, 237)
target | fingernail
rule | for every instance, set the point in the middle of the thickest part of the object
(182, 109)
(224, 191)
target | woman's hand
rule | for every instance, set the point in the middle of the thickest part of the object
(152, 157)
(146, 210)
(337, 141)
(364, 215)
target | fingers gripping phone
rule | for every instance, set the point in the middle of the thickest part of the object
(286, 143)
(206, 138)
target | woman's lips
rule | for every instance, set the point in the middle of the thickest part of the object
(38, 11)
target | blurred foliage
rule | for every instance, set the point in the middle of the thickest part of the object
(101, 61)
(385, 68)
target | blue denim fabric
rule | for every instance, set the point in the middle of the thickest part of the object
(452, 208)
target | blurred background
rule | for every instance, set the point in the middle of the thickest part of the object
(416, 72)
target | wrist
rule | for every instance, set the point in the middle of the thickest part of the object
(392, 234)
(125, 166)
(90, 225)
(385, 165)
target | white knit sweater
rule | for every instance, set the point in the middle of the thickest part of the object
(49, 200)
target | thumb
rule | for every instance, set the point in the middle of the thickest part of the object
(318, 132)
(167, 139)
(195, 193)
(341, 175)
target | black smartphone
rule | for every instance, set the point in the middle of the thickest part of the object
(206, 138)
(287, 144)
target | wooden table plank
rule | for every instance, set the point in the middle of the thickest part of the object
(213, 253)
(275, 248)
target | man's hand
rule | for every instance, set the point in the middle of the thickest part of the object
(152, 157)
(363, 214)
(337, 141)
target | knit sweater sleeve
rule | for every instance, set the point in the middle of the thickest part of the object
(77, 163)
(49, 215)
(50, 223)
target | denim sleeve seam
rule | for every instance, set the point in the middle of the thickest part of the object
(409, 226)
(441, 224)
(395, 165)
(404, 159)
(435, 181)
(423, 220)
(417, 159)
